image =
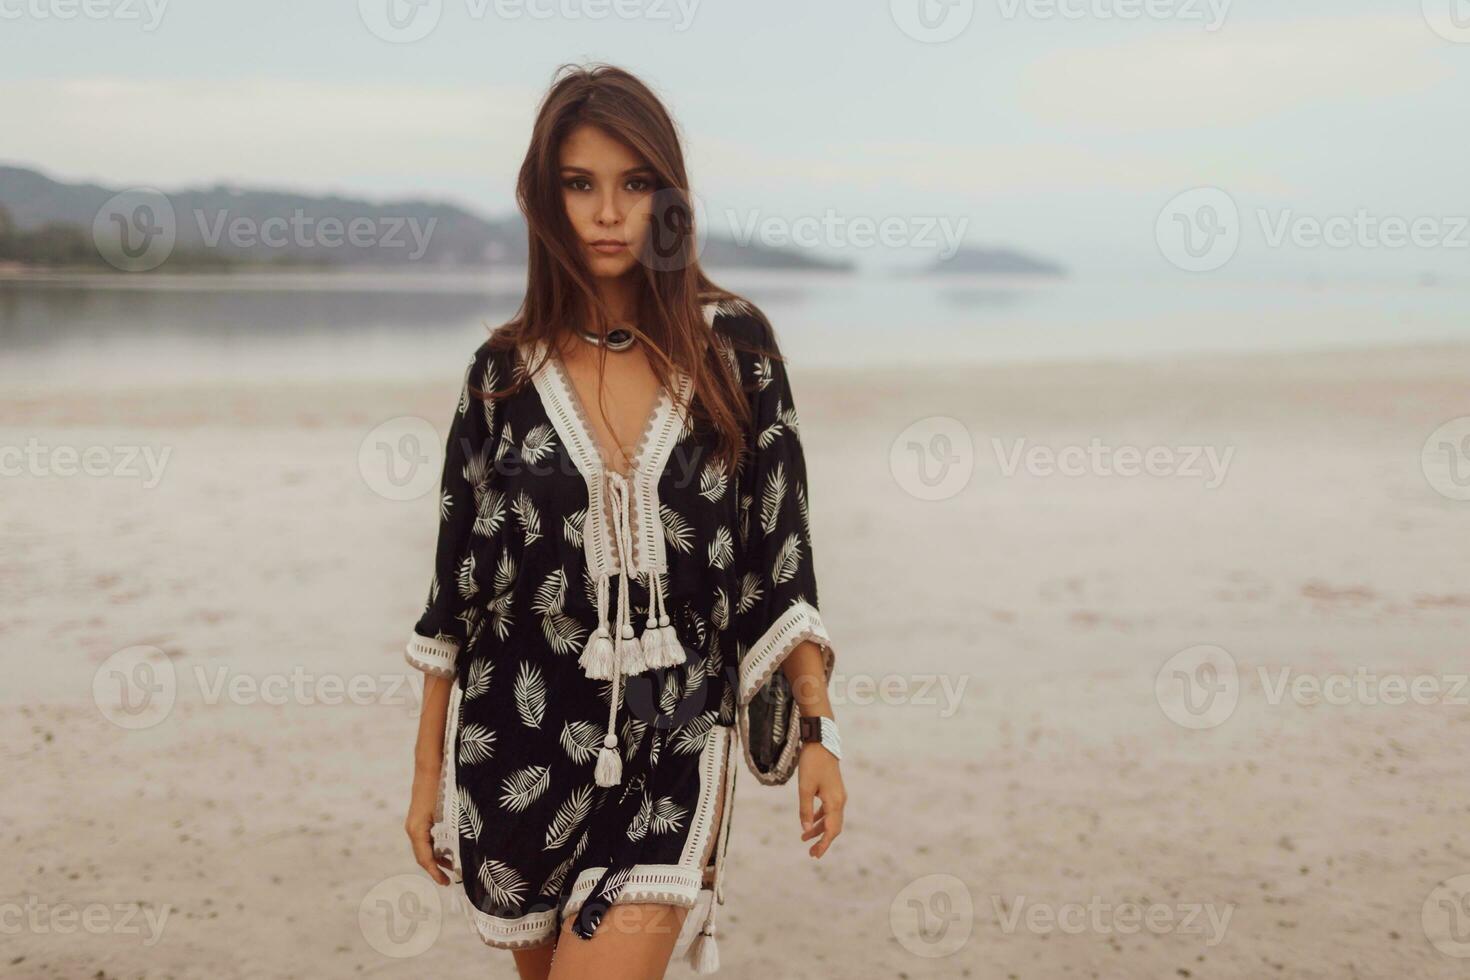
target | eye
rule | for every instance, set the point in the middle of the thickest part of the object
(639, 184)
(574, 182)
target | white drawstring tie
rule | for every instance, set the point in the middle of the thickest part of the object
(611, 653)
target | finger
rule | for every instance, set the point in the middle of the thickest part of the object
(805, 806)
(831, 827)
(423, 853)
(817, 828)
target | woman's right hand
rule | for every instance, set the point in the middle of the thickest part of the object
(428, 762)
(420, 821)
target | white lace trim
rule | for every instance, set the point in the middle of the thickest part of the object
(798, 623)
(432, 655)
(710, 778)
(561, 407)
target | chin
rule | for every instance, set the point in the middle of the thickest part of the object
(612, 266)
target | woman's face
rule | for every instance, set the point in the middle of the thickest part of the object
(608, 193)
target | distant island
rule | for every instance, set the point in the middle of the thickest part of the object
(970, 261)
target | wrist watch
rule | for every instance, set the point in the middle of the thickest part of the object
(820, 728)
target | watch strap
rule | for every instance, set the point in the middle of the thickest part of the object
(820, 728)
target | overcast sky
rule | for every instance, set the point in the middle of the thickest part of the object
(1062, 127)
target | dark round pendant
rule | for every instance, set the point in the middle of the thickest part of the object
(619, 338)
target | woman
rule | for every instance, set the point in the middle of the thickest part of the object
(617, 593)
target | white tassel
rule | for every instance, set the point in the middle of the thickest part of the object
(632, 656)
(609, 770)
(673, 650)
(597, 656)
(703, 954)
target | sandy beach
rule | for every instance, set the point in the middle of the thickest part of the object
(1036, 790)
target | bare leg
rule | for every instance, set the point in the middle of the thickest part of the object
(535, 963)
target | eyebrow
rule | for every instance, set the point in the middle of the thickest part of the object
(625, 173)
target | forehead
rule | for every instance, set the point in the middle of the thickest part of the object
(593, 148)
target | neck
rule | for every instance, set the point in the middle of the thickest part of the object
(621, 296)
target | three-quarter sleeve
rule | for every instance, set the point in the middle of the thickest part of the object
(469, 502)
(776, 606)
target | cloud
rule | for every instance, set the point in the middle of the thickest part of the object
(1243, 73)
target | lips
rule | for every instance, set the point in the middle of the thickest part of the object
(608, 246)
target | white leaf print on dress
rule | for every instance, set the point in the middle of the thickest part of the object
(580, 740)
(668, 816)
(720, 613)
(569, 817)
(788, 560)
(722, 548)
(631, 737)
(677, 531)
(712, 481)
(524, 786)
(503, 884)
(772, 497)
(506, 444)
(750, 592)
(563, 632)
(528, 516)
(489, 381)
(489, 512)
(530, 695)
(538, 443)
(500, 607)
(476, 744)
(661, 817)
(746, 503)
(790, 419)
(466, 584)
(479, 680)
(763, 373)
(470, 823)
(638, 828)
(572, 527)
(615, 883)
(693, 736)
(769, 435)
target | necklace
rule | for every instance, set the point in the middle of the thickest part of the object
(618, 338)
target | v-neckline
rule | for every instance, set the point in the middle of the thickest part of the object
(589, 431)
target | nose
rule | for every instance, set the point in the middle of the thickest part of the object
(607, 210)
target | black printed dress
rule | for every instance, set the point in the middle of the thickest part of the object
(609, 636)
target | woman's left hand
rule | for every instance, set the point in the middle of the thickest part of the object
(818, 776)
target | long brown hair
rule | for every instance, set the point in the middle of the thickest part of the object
(560, 288)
